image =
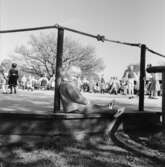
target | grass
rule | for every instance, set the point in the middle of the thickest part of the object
(35, 151)
(95, 151)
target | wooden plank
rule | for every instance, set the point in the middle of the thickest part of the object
(156, 69)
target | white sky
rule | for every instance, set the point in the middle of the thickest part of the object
(126, 20)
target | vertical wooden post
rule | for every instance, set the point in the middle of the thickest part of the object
(60, 39)
(142, 77)
(163, 99)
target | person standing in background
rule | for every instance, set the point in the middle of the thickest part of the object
(4, 83)
(102, 85)
(13, 77)
(23, 82)
(154, 87)
(131, 78)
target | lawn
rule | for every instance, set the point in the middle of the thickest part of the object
(96, 151)
(64, 151)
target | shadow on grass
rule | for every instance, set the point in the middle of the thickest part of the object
(132, 138)
(61, 152)
(56, 150)
(38, 163)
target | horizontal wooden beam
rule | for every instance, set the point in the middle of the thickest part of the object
(156, 69)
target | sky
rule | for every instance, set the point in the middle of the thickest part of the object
(137, 21)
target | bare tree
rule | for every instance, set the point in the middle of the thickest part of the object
(5, 66)
(39, 56)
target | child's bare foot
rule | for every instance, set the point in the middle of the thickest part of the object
(112, 104)
(119, 112)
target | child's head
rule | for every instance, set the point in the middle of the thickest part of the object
(72, 73)
(14, 65)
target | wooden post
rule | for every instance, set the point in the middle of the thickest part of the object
(142, 77)
(60, 39)
(163, 99)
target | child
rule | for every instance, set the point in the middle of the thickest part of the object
(4, 83)
(30, 83)
(13, 77)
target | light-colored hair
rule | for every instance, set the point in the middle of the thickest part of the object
(71, 71)
(74, 70)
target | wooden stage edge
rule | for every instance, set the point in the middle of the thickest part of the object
(75, 125)
(62, 115)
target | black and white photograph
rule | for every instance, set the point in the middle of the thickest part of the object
(82, 83)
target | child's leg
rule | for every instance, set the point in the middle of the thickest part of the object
(3, 88)
(15, 89)
(95, 108)
(11, 89)
(6, 88)
(116, 111)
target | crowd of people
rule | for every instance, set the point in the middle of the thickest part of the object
(10, 81)
(37, 83)
(29, 83)
(127, 85)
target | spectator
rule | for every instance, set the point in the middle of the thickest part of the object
(23, 82)
(52, 82)
(4, 83)
(123, 86)
(13, 77)
(30, 83)
(85, 84)
(131, 78)
(96, 87)
(102, 85)
(114, 86)
(154, 87)
(44, 82)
